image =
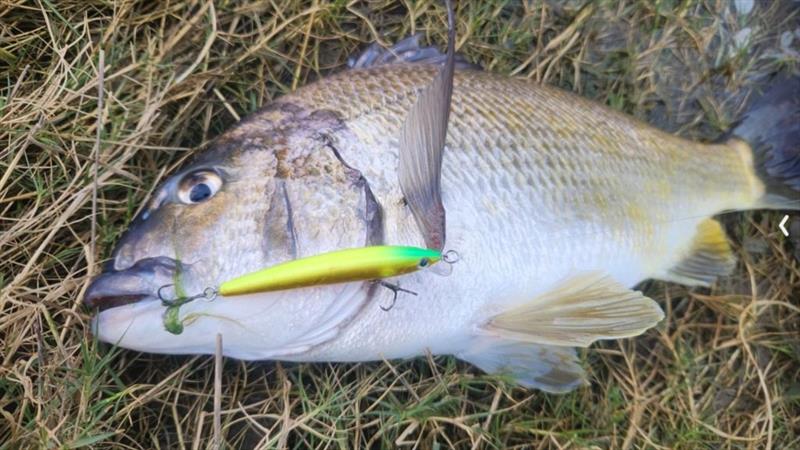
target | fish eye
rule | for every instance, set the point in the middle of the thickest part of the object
(423, 262)
(198, 186)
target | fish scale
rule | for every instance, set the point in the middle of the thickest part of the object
(537, 117)
(572, 184)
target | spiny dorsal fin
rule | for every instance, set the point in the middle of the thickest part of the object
(407, 51)
(709, 257)
(545, 367)
(578, 312)
(422, 141)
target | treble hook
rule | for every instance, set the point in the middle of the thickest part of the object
(395, 289)
(164, 301)
(208, 293)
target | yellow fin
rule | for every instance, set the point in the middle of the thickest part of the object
(709, 257)
(578, 312)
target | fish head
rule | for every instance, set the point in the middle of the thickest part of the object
(272, 189)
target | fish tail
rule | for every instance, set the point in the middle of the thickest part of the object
(771, 128)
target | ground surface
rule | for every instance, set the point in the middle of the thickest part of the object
(721, 371)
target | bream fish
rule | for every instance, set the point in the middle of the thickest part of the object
(555, 205)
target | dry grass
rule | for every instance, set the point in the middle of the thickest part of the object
(722, 371)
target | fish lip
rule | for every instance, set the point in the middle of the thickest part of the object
(138, 283)
(113, 289)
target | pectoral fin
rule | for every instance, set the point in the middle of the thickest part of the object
(578, 312)
(709, 257)
(422, 141)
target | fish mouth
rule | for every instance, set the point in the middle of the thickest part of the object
(102, 303)
(138, 283)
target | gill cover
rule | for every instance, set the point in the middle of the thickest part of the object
(422, 143)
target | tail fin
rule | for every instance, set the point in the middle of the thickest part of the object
(772, 128)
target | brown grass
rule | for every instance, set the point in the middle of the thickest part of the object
(722, 371)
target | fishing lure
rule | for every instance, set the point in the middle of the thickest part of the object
(353, 264)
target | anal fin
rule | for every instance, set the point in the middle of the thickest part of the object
(545, 367)
(583, 309)
(709, 257)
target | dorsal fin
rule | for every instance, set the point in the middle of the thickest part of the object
(709, 257)
(407, 51)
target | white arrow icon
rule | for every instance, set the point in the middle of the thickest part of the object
(782, 225)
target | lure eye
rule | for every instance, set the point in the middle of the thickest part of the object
(198, 186)
(423, 262)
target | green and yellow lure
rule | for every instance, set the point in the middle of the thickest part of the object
(353, 264)
(341, 266)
